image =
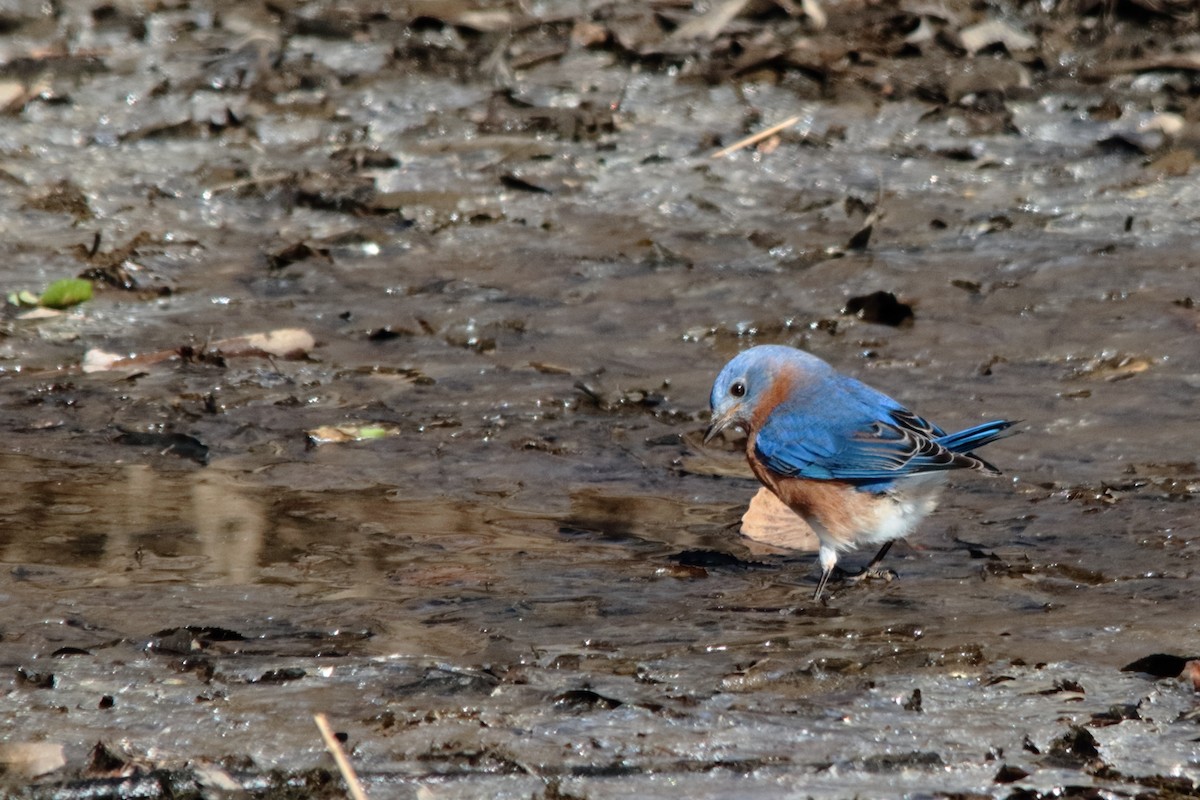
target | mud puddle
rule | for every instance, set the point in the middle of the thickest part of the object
(486, 648)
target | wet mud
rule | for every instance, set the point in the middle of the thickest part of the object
(388, 400)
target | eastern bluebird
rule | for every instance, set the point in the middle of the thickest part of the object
(857, 466)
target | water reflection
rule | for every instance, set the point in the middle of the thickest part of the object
(137, 524)
(230, 525)
(127, 518)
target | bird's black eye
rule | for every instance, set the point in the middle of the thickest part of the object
(738, 389)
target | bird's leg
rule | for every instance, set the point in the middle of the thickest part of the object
(872, 569)
(883, 551)
(821, 584)
(829, 568)
(827, 555)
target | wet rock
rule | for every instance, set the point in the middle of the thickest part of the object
(1009, 774)
(511, 180)
(66, 652)
(285, 675)
(179, 444)
(1115, 714)
(1064, 685)
(361, 158)
(897, 762)
(388, 332)
(347, 194)
(203, 667)
(1075, 749)
(968, 655)
(584, 700)
(470, 336)
(610, 400)
(34, 679)
(879, 307)
(445, 682)
(175, 641)
(903, 632)
(862, 238)
(567, 661)
(187, 640)
(293, 253)
(1160, 665)
(104, 761)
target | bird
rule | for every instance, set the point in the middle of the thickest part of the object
(857, 466)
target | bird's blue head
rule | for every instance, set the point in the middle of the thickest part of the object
(755, 379)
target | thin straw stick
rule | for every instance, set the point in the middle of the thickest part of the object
(339, 756)
(755, 138)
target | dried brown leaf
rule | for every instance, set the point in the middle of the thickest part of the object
(770, 522)
(995, 31)
(31, 759)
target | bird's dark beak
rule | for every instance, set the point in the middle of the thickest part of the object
(718, 424)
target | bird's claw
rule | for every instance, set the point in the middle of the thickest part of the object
(841, 577)
(868, 573)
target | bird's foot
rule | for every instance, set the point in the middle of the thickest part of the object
(841, 576)
(866, 574)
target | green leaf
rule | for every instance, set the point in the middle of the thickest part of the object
(351, 432)
(23, 298)
(66, 293)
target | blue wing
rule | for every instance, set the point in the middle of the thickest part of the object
(853, 433)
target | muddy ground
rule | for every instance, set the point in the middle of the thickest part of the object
(520, 268)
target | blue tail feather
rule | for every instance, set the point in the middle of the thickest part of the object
(967, 440)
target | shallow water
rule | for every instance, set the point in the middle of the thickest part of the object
(535, 587)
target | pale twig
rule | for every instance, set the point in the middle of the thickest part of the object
(755, 138)
(339, 756)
